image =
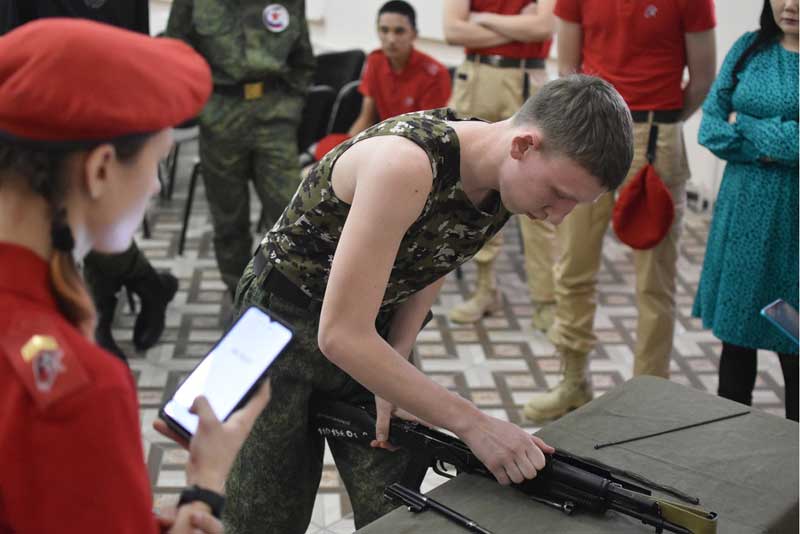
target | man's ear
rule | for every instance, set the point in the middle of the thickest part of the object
(522, 142)
(97, 169)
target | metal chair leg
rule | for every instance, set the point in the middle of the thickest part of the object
(145, 227)
(187, 210)
(161, 171)
(173, 166)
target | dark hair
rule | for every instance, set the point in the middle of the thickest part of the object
(43, 170)
(401, 8)
(768, 32)
(586, 120)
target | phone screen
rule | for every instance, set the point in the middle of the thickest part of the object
(782, 315)
(231, 369)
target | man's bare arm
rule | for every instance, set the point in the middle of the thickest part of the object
(403, 331)
(528, 26)
(458, 30)
(701, 60)
(408, 320)
(366, 118)
(570, 37)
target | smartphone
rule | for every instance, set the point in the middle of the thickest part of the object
(781, 314)
(231, 372)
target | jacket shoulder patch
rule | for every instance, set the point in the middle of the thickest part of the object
(43, 360)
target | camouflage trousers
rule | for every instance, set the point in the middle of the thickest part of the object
(105, 274)
(243, 142)
(273, 483)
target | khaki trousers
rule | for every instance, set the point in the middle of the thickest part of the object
(495, 94)
(581, 239)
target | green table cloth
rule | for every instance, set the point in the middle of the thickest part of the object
(744, 468)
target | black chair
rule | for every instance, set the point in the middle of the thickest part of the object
(335, 69)
(346, 108)
(316, 114)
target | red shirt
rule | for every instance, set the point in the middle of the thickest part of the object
(424, 83)
(638, 45)
(516, 49)
(71, 456)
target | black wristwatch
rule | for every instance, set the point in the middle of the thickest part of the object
(211, 498)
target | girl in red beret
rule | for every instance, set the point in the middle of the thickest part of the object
(84, 120)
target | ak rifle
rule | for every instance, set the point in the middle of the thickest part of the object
(567, 482)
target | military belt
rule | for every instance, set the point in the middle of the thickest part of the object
(277, 284)
(664, 116)
(504, 62)
(246, 90)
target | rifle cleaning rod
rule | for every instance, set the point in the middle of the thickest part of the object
(408, 494)
(701, 423)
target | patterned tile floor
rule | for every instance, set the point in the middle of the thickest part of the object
(498, 363)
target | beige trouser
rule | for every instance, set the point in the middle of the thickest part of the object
(495, 94)
(581, 239)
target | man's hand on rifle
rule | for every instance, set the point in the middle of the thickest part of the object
(383, 415)
(384, 410)
(509, 452)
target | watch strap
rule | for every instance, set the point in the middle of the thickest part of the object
(213, 499)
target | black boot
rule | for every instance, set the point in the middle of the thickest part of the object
(102, 334)
(155, 290)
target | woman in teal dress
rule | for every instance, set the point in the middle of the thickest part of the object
(750, 120)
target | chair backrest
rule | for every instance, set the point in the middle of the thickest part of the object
(337, 68)
(316, 114)
(346, 108)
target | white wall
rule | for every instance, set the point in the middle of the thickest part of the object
(343, 24)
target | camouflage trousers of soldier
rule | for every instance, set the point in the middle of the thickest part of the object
(244, 142)
(274, 481)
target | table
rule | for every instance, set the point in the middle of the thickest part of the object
(744, 468)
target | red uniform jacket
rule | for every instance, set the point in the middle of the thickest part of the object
(71, 456)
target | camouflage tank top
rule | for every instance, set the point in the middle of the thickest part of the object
(448, 232)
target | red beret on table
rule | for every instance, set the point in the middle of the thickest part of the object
(67, 80)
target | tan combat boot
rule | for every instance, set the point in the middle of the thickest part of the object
(573, 391)
(486, 299)
(544, 313)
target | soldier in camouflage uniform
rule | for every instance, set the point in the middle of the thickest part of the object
(262, 63)
(356, 261)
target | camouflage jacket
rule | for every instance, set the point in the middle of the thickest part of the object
(448, 232)
(247, 40)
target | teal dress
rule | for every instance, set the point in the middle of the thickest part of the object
(752, 253)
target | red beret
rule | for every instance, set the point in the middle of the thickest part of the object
(78, 80)
(328, 143)
(644, 210)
